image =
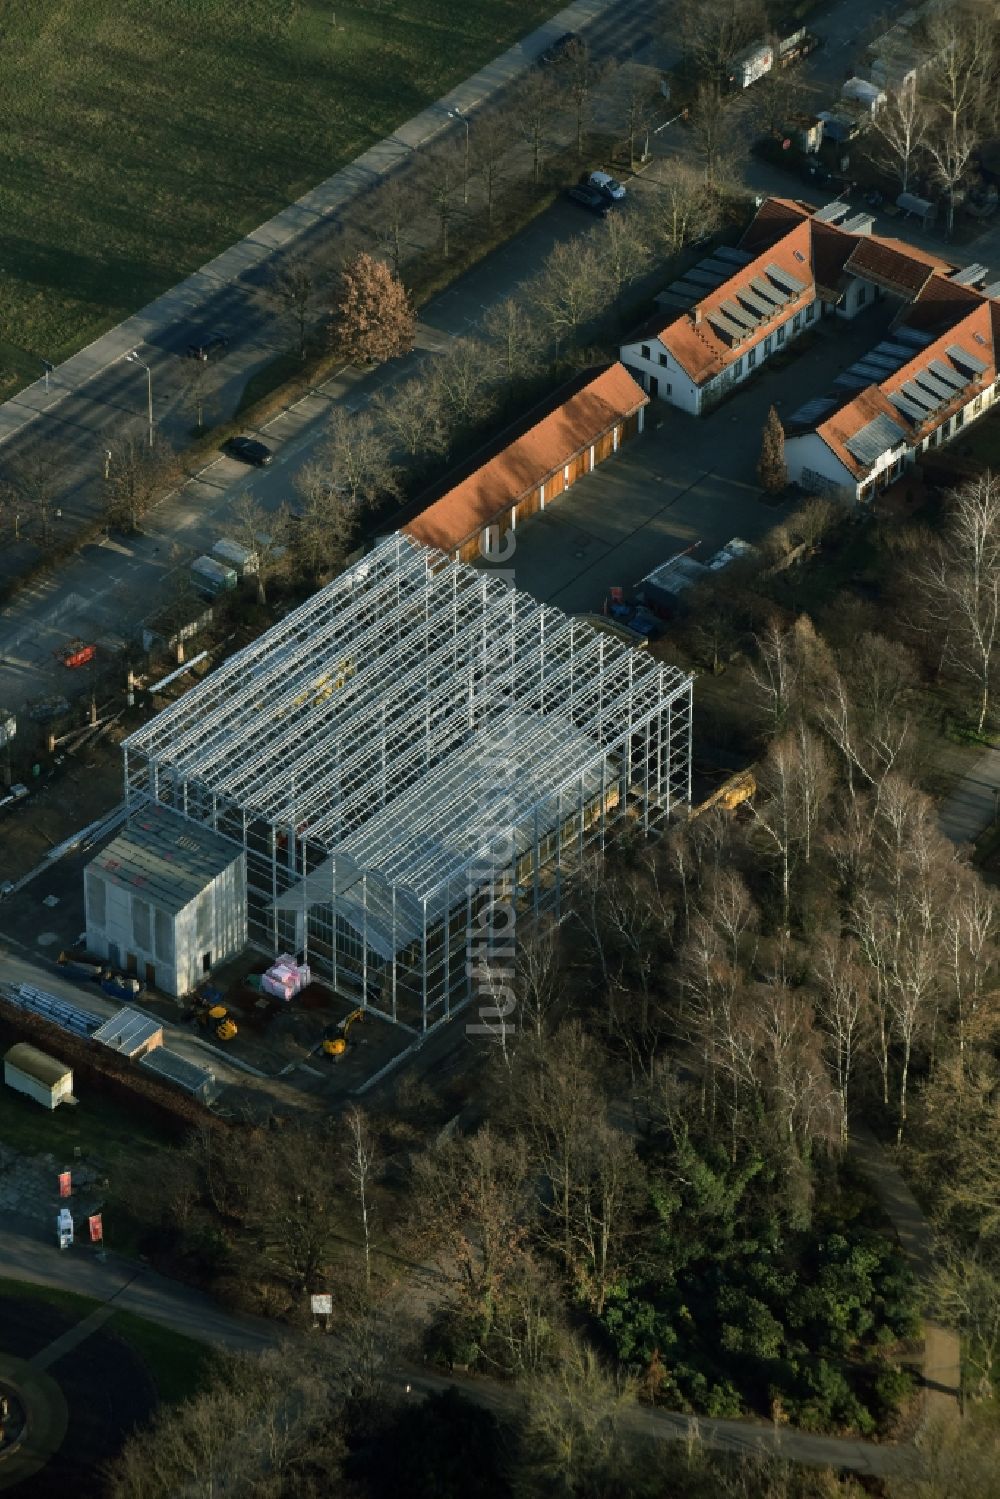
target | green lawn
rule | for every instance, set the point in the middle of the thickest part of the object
(140, 137)
(99, 1126)
(179, 1365)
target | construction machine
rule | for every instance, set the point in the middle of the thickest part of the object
(335, 1046)
(215, 1017)
(739, 788)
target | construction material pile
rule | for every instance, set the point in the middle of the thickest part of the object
(286, 978)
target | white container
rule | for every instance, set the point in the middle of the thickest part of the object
(231, 554)
(211, 576)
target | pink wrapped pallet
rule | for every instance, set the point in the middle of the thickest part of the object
(286, 978)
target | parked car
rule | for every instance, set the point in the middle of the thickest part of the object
(208, 346)
(606, 184)
(590, 198)
(557, 51)
(250, 450)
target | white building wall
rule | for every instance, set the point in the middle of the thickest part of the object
(174, 945)
(675, 386)
(48, 1095)
(858, 297)
(815, 466)
(663, 381)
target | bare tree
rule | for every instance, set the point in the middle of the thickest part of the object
(200, 383)
(263, 535)
(958, 589)
(491, 133)
(841, 999)
(531, 106)
(372, 319)
(413, 414)
(569, 290)
(442, 174)
(136, 473)
(329, 524)
(393, 209)
(714, 135)
(796, 780)
(714, 31)
(623, 249)
(681, 210)
(900, 125)
(357, 458)
(460, 381)
(360, 1158)
(291, 287)
(632, 91)
(514, 339)
(965, 1291)
(578, 75)
(33, 487)
(950, 147)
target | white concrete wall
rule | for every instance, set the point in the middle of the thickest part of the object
(859, 296)
(674, 385)
(175, 945)
(815, 466)
(677, 388)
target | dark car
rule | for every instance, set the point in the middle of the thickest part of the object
(590, 198)
(249, 450)
(208, 346)
(558, 50)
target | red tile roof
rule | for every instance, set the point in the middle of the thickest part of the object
(605, 400)
(890, 263)
(696, 342)
(978, 335)
(772, 220)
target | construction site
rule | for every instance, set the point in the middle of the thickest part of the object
(414, 750)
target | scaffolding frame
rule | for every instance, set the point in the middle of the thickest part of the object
(415, 749)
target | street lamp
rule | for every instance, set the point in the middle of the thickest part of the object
(133, 358)
(456, 114)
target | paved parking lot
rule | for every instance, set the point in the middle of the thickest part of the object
(685, 480)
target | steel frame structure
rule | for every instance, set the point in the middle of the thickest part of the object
(413, 759)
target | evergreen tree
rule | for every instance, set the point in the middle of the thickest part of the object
(771, 470)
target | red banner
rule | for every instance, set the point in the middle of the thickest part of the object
(65, 1184)
(96, 1229)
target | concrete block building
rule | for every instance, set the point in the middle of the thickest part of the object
(166, 900)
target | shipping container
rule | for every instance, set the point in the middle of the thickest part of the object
(211, 577)
(231, 554)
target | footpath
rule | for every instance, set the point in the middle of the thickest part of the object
(183, 301)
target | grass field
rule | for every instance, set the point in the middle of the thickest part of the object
(179, 1365)
(97, 1126)
(140, 137)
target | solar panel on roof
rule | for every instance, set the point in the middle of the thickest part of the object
(739, 315)
(920, 397)
(733, 254)
(704, 278)
(813, 411)
(711, 263)
(687, 289)
(962, 356)
(858, 223)
(768, 293)
(912, 336)
(937, 387)
(721, 324)
(993, 290)
(909, 408)
(947, 376)
(879, 436)
(784, 278)
(756, 306)
(831, 213)
(852, 382)
(973, 275)
(672, 302)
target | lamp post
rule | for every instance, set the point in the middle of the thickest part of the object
(456, 114)
(133, 358)
(47, 367)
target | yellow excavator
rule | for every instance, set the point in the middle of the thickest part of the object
(335, 1046)
(733, 792)
(218, 1019)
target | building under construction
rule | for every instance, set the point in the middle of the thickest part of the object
(411, 760)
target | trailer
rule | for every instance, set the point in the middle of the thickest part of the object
(231, 554)
(212, 577)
